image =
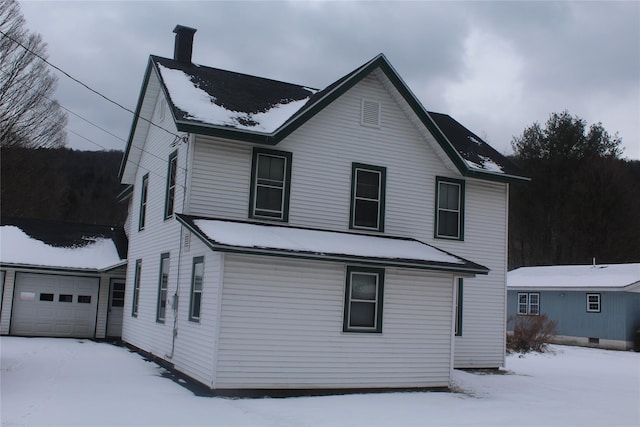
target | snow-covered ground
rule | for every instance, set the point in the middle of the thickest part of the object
(66, 382)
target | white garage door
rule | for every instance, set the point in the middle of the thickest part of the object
(49, 305)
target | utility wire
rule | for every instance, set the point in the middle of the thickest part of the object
(178, 137)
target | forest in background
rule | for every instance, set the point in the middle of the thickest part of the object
(568, 214)
(61, 184)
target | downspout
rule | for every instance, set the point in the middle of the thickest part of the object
(174, 304)
(506, 270)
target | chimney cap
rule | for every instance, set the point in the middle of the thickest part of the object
(183, 29)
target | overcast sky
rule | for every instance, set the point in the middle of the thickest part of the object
(496, 67)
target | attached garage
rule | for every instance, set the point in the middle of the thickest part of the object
(50, 305)
(61, 279)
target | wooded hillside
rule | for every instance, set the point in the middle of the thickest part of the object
(566, 215)
(61, 184)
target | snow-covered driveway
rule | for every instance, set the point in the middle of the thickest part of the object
(65, 382)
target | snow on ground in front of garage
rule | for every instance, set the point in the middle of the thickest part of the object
(53, 381)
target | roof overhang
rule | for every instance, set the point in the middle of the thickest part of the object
(251, 238)
(70, 270)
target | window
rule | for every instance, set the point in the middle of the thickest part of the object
(117, 294)
(84, 299)
(136, 288)
(196, 288)
(363, 300)
(171, 185)
(144, 189)
(367, 197)
(449, 208)
(593, 303)
(46, 297)
(65, 298)
(529, 303)
(270, 184)
(163, 286)
(459, 299)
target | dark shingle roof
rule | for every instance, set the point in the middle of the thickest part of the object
(265, 111)
(233, 91)
(477, 153)
(67, 235)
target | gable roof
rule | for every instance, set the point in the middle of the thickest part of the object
(58, 244)
(324, 245)
(612, 277)
(226, 104)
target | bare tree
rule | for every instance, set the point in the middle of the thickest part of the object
(28, 115)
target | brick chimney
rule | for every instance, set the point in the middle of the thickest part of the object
(184, 43)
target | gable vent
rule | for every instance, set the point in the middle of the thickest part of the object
(370, 113)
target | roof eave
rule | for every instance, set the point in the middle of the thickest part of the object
(134, 124)
(468, 269)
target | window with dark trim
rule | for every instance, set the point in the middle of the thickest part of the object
(144, 190)
(163, 286)
(197, 275)
(459, 300)
(449, 222)
(65, 298)
(170, 195)
(529, 303)
(136, 288)
(270, 184)
(367, 197)
(593, 303)
(364, 291)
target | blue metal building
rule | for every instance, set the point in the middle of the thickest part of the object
(593, 305)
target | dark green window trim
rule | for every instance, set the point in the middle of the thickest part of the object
(363, 302)
(144, 191)
(197, 280)
(262, 185)
(163, 288)
(459, 305)
(136, 288)
(446, 212)
(170, 194)
(361, 202)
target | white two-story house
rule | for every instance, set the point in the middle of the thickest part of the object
(288, 238)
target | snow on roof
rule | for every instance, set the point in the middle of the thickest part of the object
(223, 98)
(575, 276)
(16, 247)
(475, 152)
(328, 244)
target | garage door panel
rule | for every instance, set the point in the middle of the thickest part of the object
(54, 305)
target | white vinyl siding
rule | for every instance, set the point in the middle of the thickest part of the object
(281, 327)
(160, 236)
(324, 149)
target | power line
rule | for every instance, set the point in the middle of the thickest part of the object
(176, 136)
(87, 86)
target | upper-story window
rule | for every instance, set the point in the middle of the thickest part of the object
(449, 222)
(367, 197)
(171, 185)
(270, 184)
(144, 189)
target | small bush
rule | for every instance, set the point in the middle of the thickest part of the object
(530, 333)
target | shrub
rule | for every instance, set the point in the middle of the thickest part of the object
(530, 333)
